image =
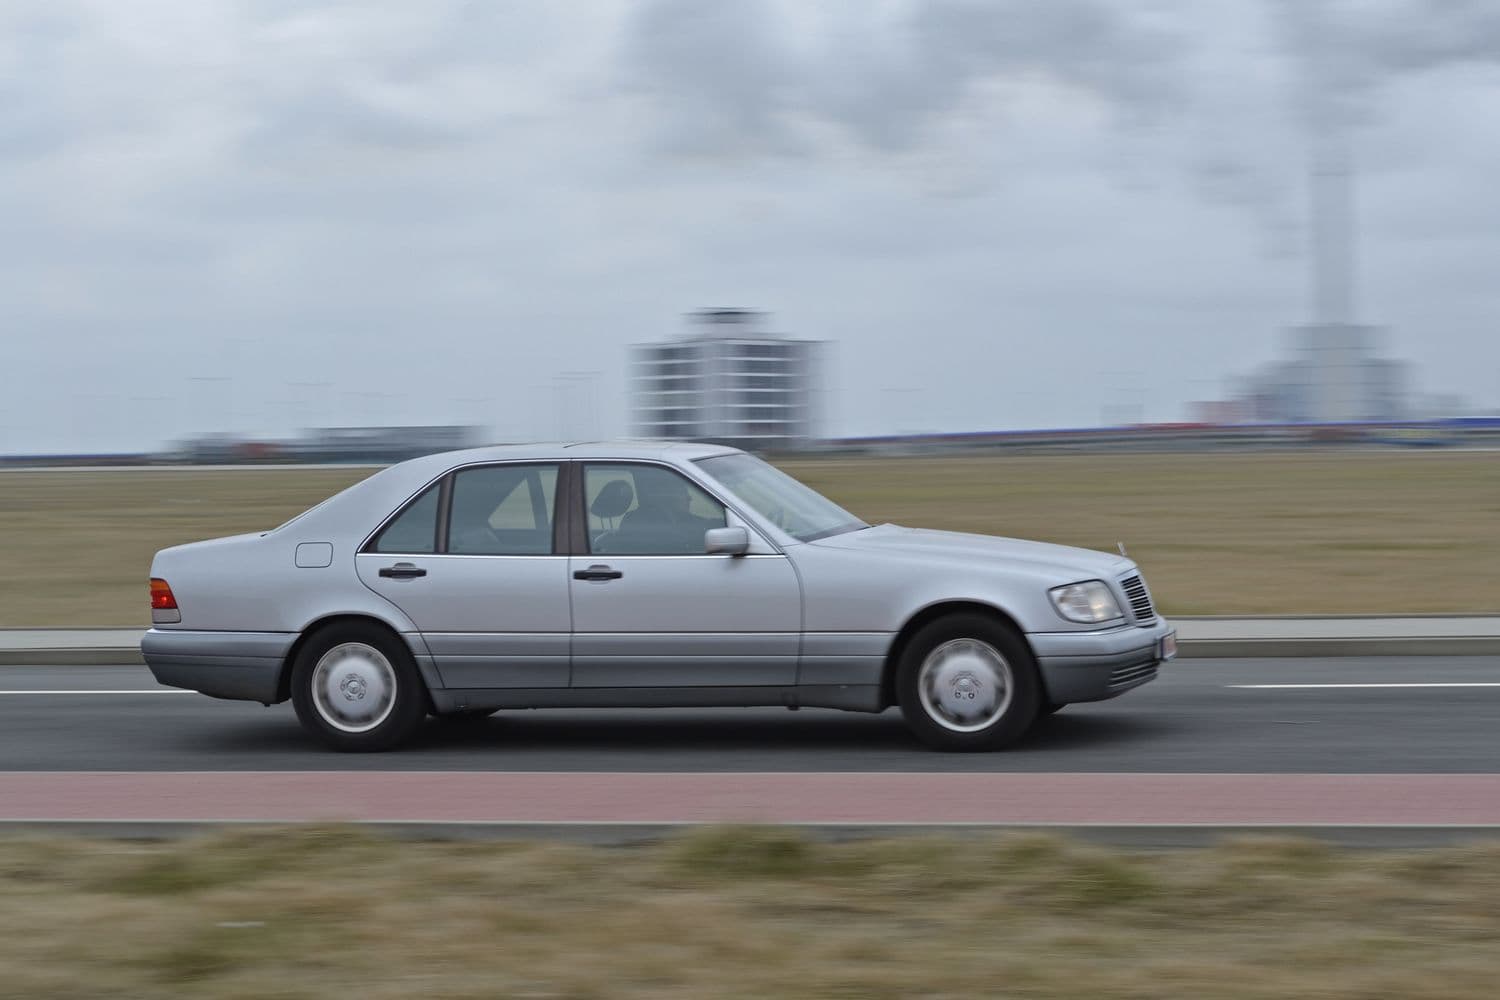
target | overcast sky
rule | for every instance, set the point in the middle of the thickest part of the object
(1005, 214)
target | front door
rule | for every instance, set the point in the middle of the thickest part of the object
(652, 609)
(473, 563)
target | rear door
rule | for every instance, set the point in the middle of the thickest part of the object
(474, 562)
(652, 609)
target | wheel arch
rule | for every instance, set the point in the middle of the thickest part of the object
(924, 617)
(312, 628)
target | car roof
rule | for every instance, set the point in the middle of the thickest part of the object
(612, 449)
(624, 448)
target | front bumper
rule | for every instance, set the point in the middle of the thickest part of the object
(1093, 666)
(239, 665)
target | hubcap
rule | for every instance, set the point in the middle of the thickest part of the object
(354, 687)
(965, 685)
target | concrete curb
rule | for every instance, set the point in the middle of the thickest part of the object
(73, 656)
(1473, 645)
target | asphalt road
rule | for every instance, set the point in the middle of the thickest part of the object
(1196, 718)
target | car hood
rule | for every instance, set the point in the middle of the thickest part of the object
(957, 546)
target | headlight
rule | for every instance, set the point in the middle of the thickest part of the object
(1089, 601)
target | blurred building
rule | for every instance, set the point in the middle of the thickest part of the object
(729, 380)
(1333, 373)
(1333, 376)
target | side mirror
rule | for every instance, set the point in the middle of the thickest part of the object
(728, 541)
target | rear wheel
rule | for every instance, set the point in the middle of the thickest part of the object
(356, 688)
(968, 682)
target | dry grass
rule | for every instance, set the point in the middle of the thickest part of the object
(741, 913)
(79, 544)
(1317, 532)
(1306, 532)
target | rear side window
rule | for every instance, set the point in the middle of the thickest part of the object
(503, 510)
(414, 531)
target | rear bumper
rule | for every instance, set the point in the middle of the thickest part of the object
(239, 665)
(1092, 666)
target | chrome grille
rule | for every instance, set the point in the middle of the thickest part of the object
(1140, 600)
(1131, 676)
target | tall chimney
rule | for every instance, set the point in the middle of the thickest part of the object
(1331, 190)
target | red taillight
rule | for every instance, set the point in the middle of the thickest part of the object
(161, 596)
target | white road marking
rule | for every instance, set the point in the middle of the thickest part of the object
(1405, 684)
(77, 691)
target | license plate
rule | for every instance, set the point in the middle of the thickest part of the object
(1168, 646)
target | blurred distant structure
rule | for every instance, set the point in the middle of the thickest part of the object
(380, 444)
(374, 445)
(1334, 374)
(729, 380)
(1218, 435)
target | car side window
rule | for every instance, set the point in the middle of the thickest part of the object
(502, 510)
(646, 510)
(414, 531)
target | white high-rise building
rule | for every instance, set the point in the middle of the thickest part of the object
(729, 380)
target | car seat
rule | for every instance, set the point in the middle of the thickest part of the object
(613, 500)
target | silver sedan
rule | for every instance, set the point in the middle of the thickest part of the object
(636, 575)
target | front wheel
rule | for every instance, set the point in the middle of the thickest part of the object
(356, 688)
(968, 682)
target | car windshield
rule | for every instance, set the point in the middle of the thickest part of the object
(797, 510)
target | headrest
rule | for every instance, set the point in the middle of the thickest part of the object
(613, 500)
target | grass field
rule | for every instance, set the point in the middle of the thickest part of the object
(741, 913)
(1265, 533)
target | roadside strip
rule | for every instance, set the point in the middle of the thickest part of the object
(1228, 638)
(92, 691)
(1414, 635)
(1141, 808)
(1138, 835)
(81, 647)
(1364, 685)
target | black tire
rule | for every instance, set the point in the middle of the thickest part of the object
(1050, 708)
(985, 636)
(387, 728)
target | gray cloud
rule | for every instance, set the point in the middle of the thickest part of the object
(335, 116)
(723, 72)
(751, 78)
(1345, 52)
(743, 77)
(33, 121)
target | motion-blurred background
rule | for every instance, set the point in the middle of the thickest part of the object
(1199, 277)
(237, 230)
